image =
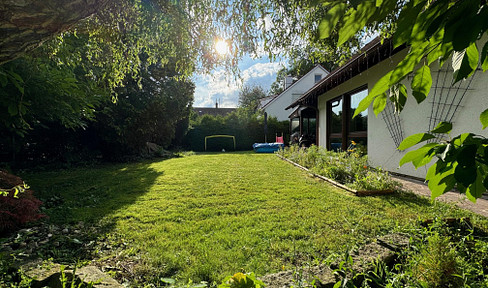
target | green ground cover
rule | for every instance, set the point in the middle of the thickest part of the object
(206, 216)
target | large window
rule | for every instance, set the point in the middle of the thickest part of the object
(342, 128)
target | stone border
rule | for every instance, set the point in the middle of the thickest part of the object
(339, 185)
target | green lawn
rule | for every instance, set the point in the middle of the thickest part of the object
(210, 215)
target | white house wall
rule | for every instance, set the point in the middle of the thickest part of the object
(414, 118)
(277, 106)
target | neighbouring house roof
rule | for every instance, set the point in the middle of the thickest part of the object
(371, 54)
(213, 111)
(264, 101)
(295, 83)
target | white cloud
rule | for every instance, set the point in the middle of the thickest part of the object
(222, 86)
(259, 70)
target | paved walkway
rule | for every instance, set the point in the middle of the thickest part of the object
(420, 188)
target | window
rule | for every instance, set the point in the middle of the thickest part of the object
(318, 77)
(342, 128)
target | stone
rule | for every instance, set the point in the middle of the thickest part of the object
(48, 275)
(395, 241)
(45, 275)
(93, 274)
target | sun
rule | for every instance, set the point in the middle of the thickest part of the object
(222, 47)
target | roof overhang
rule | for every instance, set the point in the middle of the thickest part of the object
(371, 54)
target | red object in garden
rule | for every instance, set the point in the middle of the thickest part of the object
(280, 139)
(16, 211)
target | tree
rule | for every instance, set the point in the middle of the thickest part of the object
(25, 25)
(116, 32)
(433, 31)
(148, 111)
(250, 96)
(35, 93)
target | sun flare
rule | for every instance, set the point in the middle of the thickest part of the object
(222, 47)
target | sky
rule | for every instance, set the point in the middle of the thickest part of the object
(220, 85)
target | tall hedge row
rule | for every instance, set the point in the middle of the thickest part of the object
(246, 126)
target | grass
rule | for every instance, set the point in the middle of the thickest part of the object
(207, 216)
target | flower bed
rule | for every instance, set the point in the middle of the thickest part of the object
(347, 170)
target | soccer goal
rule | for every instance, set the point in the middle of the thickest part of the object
(220, 136)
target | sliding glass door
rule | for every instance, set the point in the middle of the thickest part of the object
(342, 129)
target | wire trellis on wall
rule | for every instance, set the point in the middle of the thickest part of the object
(393, 123)
(446, 98)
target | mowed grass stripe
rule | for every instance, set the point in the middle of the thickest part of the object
(206, 216)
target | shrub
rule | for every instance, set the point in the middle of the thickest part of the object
(348, 168)
(436, 265)
(16, 210)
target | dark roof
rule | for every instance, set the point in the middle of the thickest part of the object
(371, 54)
(267, 100)
(213, 111)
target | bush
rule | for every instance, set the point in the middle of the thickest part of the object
(16, 210)
(348, 168)
(436, 265)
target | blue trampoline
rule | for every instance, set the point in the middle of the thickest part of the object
(267, 147)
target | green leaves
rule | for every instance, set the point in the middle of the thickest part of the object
(476, 189)
(441, 178)
(330, 20)
(240, 280)
(484, 57)
(421, 83)
(398, 96)
(442, 127)
(420, 156)
(464, 63)
(484, 118)
(3, 79)
(465, 173)
(379, 88)
(406, 21)
(462, 162)
(379, 103)
(356, 19)
(414, 140)
(12, 109)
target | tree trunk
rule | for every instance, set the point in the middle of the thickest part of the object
(25, 24)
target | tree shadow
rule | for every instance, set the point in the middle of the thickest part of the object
(78, 204)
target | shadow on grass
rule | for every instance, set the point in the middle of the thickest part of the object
(406, 197)
(77, 203)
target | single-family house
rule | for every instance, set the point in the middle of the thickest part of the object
(333, 100)
(217, 111)
(276, 105)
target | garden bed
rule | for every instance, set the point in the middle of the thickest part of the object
(314, 159)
